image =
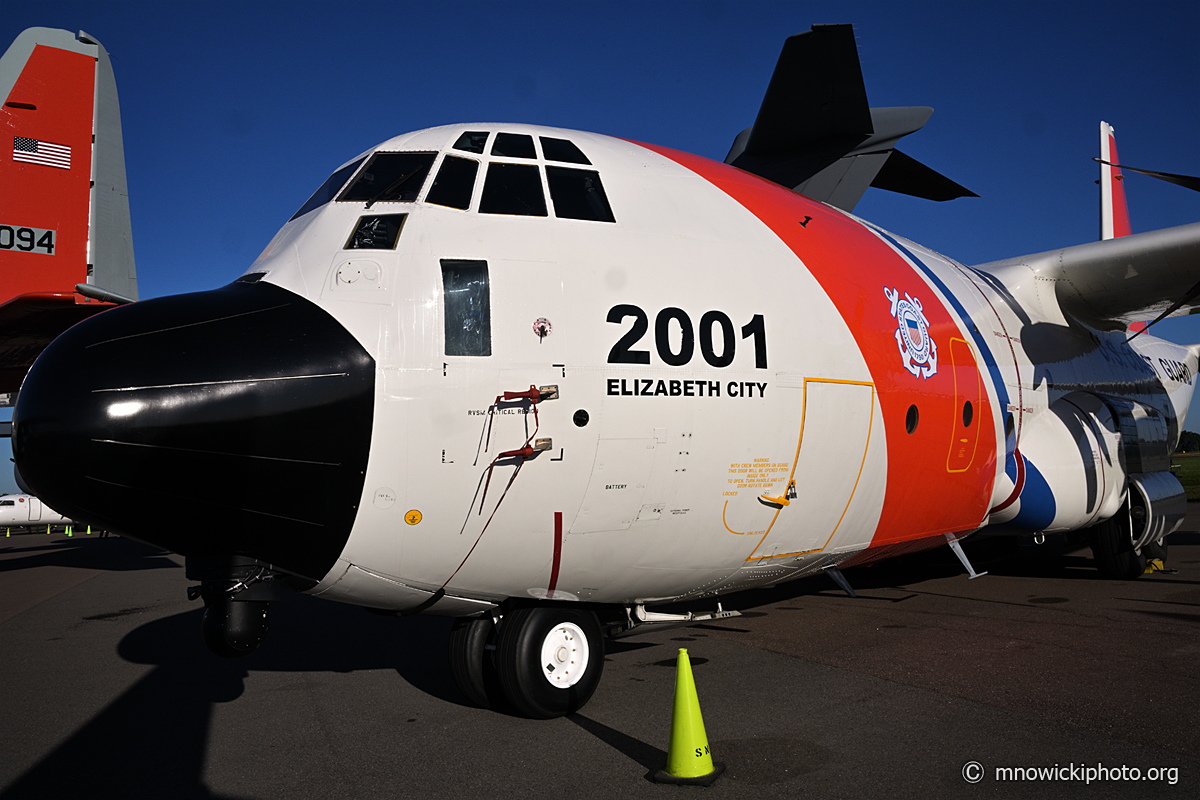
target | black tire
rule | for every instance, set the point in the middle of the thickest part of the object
(472, 664)
(549, 660)
(1113, 550)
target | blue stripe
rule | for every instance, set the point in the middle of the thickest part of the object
(1037, 501)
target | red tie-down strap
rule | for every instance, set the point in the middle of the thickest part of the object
(524, 453)
(533, 395)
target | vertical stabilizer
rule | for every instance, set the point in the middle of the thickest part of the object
(1114, 213)
(64, 206)
(111, 241)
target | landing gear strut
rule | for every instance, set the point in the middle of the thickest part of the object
(1112, 547)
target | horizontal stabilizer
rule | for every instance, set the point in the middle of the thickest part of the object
(1112, 283)
(30, 322)
(818, 135)
(905, 175)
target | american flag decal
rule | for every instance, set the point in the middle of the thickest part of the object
(37, 152)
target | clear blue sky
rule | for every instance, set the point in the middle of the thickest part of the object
(234, 113)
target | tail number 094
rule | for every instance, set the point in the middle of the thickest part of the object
(717, 340)
(27, 239)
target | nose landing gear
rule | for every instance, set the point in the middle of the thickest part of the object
(544, 661)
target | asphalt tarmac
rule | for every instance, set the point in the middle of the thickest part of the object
(925, 680)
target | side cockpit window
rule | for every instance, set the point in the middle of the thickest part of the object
(329, 188)
(390, 178)
(578, 194)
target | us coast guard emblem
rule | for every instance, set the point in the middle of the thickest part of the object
(917, 348)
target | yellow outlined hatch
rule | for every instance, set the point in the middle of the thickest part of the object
(964, 423)
(806, 420)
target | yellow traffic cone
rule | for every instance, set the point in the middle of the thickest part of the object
(688, 758)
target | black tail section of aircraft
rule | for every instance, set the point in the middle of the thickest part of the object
(815, 132)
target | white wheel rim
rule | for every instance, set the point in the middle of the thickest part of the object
(564, 655)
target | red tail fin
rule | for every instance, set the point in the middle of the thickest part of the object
(64, 208)
(1114, 213)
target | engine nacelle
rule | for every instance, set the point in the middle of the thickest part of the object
(1085, 458)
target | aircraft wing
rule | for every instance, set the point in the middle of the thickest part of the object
(1111, 283)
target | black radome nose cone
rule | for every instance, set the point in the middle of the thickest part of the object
(235, 421)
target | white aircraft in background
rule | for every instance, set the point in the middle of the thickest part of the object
(25, 510)
(542, 380)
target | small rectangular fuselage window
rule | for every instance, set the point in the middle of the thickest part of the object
(379, 232)
(467, 308)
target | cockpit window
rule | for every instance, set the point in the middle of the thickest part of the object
(513, 145)
(578, 194)
(472, 142)
(513, 189)
(390, 178)
(454, 182)
(7, 503)
(376, 232)
(562, 150)
(329, 188)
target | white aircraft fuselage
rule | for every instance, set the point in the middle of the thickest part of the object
(539, 379)
(24, 510)
(749, 386)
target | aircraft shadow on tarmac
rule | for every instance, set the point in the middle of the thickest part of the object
(162, 722)
(151, 741)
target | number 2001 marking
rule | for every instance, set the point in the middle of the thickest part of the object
(28, 240)
(622, 352)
